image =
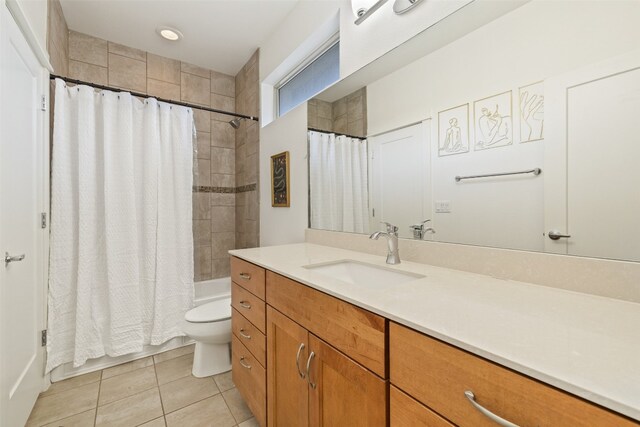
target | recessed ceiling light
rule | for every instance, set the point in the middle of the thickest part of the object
(169, 33)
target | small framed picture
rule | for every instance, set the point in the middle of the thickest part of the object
(280, 180)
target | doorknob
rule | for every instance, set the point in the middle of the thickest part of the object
(555, 235)
(8, 258)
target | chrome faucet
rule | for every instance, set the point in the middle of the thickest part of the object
(419, 230)
(393, 256)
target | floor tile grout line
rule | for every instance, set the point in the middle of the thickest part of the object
(198, 401)
(155, 371)
(95, 416)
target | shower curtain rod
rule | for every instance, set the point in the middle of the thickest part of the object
(336, 133)
(144, 95)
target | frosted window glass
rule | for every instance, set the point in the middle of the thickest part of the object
(318, 75)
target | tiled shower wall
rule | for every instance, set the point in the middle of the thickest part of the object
(247, 157)
(88, 58)
(347, 115)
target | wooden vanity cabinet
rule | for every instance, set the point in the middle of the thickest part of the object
(334, 391)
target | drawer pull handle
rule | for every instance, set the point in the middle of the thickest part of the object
(243, 335)
(311, 383)
(487, 413)
(300, 373)
(244, 365)
(245, 304)
(245, 276)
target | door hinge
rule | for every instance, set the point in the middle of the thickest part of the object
(43, 337)
(43, 106)
(43, 220)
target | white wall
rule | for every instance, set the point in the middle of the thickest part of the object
(35, 11)
(289, 133)
(559, 36)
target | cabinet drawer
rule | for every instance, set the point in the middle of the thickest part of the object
(249, 305)
(438, 374)
(249, 276)
(357, 333)
(249, 335)
(406, 411)
(250, 379)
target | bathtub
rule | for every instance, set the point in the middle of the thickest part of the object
(204, 292)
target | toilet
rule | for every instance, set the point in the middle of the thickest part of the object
(210, 326)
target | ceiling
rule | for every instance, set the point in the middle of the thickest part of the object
(218, 34)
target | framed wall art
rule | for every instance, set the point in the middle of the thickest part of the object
(280, 180)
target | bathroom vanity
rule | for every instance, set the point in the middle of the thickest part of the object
(314, 345)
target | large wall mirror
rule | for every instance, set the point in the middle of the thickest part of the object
(518, 133)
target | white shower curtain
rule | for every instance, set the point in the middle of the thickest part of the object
(121, 254)
(338, 183)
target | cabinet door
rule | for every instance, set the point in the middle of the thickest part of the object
(287, 353)
(342, 392)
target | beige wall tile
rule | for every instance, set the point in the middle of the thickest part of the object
(202, 119)
(340, 124)
(164, 69)
(204, 145)
(220, 268)
(324, 110)
(356, 128)
(202, 263)
(164, 90)
(59, 61)
(222, 135)
(201, 414)
(223, 199)
(325, 124)
(223, 218)
(223, 160)
(195, 70)
(221, 244)
(127, 73)
(204, 172)
(126, 367)
(64, 404)
(185, 391)
(85, 48)
(127, 51)
(202, 205)
(201, 231)
(195, 89)
(131, 411)
(223, 84)
(174, 369)
(339, 107)
(222, 180)
(224, 103)
(122, 386)
(88, 72)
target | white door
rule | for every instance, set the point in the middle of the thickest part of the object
(592, 155)
(400, 178)
(21, 201)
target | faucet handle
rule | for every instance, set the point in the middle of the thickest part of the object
(390, 227)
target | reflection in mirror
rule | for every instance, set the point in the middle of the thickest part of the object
(520, 134)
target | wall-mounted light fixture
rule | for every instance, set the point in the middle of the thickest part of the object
(403, 6)
(362, 9)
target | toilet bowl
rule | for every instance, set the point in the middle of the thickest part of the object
(210, 326)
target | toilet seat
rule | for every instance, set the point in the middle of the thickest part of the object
(213, 311)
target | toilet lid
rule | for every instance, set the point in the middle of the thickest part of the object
(210, 312)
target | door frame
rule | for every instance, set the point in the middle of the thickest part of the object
(555, 153)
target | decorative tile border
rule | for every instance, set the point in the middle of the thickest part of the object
(227, 190)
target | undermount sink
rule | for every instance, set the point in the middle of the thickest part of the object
(361, 273)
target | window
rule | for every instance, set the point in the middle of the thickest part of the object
(311, 78)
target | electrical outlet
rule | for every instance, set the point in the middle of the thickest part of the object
(443, 206)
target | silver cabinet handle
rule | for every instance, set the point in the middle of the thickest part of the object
(245, 304)
(243, 335)
(300, 373)
(555, 235)
(244, 365)
(245, 276)
(487, 413)
(9, 258)
(311, 383)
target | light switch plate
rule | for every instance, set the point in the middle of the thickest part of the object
(443, 206)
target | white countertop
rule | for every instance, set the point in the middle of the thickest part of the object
(584, 344)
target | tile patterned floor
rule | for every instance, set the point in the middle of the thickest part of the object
(157, 391)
